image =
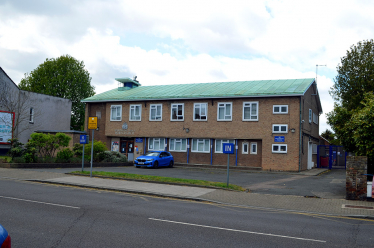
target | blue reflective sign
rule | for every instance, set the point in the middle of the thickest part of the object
(139, 140)
(228, 148)
(278, 138)
(83, 139)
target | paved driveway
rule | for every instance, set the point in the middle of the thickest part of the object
(329, 185)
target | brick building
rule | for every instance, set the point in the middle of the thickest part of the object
(273, 123)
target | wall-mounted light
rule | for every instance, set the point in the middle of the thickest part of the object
(187, 130)
(292, 130)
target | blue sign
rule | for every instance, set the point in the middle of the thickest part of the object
(139, 140)
(278, 138)
(228, 148)
(83, 139)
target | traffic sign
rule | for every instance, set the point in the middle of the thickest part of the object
(83, 139)
(228, 148)
(92, 123)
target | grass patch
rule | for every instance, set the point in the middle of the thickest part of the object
(161, 179)
(5, 158)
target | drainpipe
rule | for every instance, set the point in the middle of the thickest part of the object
(236, 152)
(300, 131)
(145, 145)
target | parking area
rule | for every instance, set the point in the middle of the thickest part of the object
(329, 185)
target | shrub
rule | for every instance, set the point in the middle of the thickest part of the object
(30, 154)
(64, 155)
(111, 156)
(18, 160)
(98, 147)
(47, 144)
(75, 160)
(16, 149)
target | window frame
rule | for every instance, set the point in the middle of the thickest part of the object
(222, 142)
(253, 144)
(314, 148)
(280, 127)
(201, 140)
(315, 118)
(140, 111)
(153, 144)
(218, 107)
(206, 111)
(171, 112)
(150, 112)
(245, 144)
(31, 118)
(280, 110)
(254, 102)
(175, 140)
(120, 112)
(310, 116)
(279, 151)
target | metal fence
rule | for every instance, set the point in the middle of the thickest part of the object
(332, 157)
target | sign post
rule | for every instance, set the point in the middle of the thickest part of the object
(83, 140)
(92, 124)
(229, 149)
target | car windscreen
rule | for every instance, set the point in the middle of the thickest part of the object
(152, 154)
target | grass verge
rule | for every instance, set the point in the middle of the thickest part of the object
(191, 182)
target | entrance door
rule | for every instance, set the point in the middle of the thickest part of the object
(127, 148)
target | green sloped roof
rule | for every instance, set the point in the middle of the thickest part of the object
(257, 88)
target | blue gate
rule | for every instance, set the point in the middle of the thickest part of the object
(331, 157)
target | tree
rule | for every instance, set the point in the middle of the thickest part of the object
(354, 80)
(330, 137)
(63, 77)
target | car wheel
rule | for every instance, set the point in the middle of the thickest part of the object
(171, 164)
(155, 164)
(137, 166)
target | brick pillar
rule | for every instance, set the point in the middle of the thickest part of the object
(356, 188)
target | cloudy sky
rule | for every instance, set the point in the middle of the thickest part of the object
(172, 42)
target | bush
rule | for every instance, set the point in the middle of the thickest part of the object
(97, 149)
(75, 160)
(114, 157)
(47, 144)
(64, 155)
(47, 160)
(18, 160)
(16, 149)
(30, 154)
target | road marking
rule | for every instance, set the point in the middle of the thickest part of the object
(46, 203)
(235, 230)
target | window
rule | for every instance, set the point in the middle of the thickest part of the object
(254, 148)
(315, 118)
(31, 115)
(116, 112)
(310, 116)
(250, 111)
(155, 112)
(314, 149)
(224, 111)
(200, 112)
(279, 148)
(156, 144)
(280, 128)
(135, 112)
(178, 145)
(280, 109)
(177, 112)
(219, 144)
(245, 148)
(201, 145)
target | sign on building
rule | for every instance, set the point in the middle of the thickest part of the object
(6, 124)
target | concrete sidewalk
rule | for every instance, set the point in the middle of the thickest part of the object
(337, 207)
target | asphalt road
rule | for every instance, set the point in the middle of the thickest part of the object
(43, 215)
(330, 185)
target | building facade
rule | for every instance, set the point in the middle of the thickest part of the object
(30, 112)
(273, 123)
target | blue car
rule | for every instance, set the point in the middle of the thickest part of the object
(4, 238)
(155, 159)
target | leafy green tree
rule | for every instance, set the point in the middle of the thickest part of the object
(355, 78)
(47, 144)
(63, 77)
(330, 137)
